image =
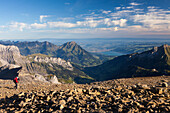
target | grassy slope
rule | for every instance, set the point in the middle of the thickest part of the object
(63, 74)
(126, 66)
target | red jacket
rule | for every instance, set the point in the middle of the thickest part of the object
(16, 80)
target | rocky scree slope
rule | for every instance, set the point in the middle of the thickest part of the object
(154, 62)
(11, 62)
(113, 96)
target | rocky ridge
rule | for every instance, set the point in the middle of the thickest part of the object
(47, 59)
(11, 61)
(154, 62)
(9, 55)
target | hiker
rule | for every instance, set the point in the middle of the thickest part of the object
(16, 82)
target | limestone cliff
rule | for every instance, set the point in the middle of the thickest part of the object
(11, 61)
(46, 59)
(9, 55)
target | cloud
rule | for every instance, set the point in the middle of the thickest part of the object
(135, 28)
(122, 13)
(121, 22)
(108, 21)
(129, 7)
(75, 31)
(43, 16)
(89, 22)
(106, 12)
(118, 8)
(67, 3)
(38, 26)
(18, 26)
(155, 20)
(134, 4)
(116, 29)
(61, 24)
(3, 26)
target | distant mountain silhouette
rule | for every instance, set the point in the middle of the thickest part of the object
(149, 63)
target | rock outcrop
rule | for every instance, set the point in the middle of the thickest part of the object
(48, 79)
(9, 55)
(10, 61)
(58, 61)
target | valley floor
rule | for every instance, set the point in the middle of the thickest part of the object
(120, 95)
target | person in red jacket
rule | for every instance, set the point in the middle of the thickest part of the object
(16, 79)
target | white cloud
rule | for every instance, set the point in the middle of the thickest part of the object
(134, 4)
(137, 10)
(108, 21)
(155, 20)
(38, 26)
(61, 24)
(106, 12)
(116, 29)
(122, 13)
(121, 22)
(129, 7)
(43, 16)
(3, 26)
(89, 22)
(118, 8)
(18, 26)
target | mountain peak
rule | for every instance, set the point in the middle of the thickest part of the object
(165, 46)
(71, 43)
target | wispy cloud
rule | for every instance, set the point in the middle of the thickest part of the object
(120, 20)
(18, 26)
(106, 12)
(61, 24)
(67, 3)
(134, 4)
(43, 16)
(89, 22)
(38, 26)
(155, 19)
(118, 8)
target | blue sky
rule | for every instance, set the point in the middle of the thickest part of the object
(34, 19)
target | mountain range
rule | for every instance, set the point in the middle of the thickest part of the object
(11, 61)
(148, 63)
(69, 51)
(71, 63)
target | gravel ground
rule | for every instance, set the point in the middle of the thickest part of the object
(7, 86)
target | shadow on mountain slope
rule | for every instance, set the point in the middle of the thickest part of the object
(9, 73)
